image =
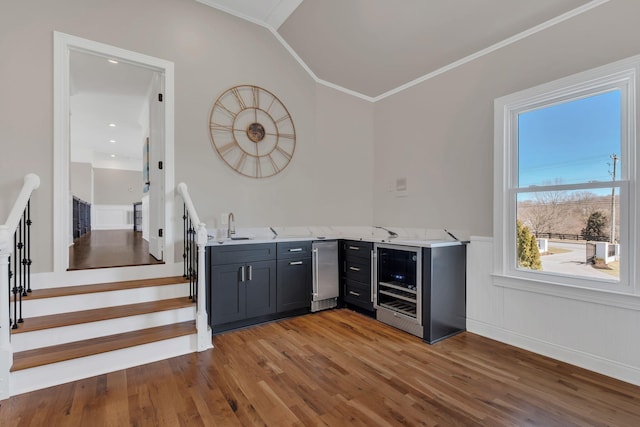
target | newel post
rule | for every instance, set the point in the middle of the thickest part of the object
(6, 352)
(204, 331)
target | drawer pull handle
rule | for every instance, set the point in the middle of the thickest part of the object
(354, 268)
(295, 263)
(295, 250)
(355, 294)
(354, 248)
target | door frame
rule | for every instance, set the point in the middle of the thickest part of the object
(62, 45)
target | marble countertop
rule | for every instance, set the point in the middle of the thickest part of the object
(420, 238)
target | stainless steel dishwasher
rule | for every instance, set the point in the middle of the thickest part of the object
(326, 282)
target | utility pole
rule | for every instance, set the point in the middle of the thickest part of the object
(614, 157)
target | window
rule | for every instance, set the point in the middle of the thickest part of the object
(565, 192)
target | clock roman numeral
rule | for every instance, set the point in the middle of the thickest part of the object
(284, 153)
(224, 109)
(283, 118)
(240, 164)
(221, 127)
(238, 96)
(275, 166)
(227, 147)
(258, 168)
(270, 105)
(255, 97)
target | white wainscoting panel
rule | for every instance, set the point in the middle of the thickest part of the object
(112, 217)
(601, 337)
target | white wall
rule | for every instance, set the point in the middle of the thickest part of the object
(586, 328)
(211, 51)
(439, 134)
(81, 180)
(116, 186)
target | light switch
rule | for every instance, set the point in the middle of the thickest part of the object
(224, 219)
(401, 187)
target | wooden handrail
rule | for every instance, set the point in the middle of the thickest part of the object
(201, 230)
(31, 183)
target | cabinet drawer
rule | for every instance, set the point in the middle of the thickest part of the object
(288, 250)
(358, 294)
(358, 269)
(243, 253)
(293, 284)
(355, 248)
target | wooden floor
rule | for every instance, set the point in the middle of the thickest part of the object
(337, 368)
(110, 248)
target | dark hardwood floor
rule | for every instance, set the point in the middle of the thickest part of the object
(337, 368)
(110, 248)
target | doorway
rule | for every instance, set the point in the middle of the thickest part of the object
(107, 105)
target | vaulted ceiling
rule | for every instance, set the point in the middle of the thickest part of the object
(368, 48)
(374, 47)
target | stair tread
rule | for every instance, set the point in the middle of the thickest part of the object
(95, 315)
(59, 353)
(104, 287)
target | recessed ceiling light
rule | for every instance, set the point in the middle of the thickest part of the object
(113, 141)
(113, 155)
(112, 125)
(113, 61)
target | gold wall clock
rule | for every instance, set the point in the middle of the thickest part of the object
(252, 131)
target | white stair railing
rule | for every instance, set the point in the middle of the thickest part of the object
(195, 232)
(15, 229)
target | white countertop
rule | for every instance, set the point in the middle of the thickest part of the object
(256, 238)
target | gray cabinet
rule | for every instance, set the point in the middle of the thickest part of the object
(443, 292)
(356, 273)
(294, 276)
(242, 282)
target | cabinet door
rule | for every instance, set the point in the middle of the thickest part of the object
(227, 294)
(294, 284)
(260, 286)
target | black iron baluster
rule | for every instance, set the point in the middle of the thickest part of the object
(190, 253)
(190, 257)
(22, 266)
(29, 246)
(184, 246)
(14, 290)
(195, 272)
(9, 291)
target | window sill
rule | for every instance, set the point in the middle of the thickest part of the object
(612, 298)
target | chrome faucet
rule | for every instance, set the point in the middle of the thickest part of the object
(231, 227)
(392, 234)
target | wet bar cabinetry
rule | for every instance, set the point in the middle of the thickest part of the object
(443, 291)
(356, 273)
(242, 284)
(253, 283)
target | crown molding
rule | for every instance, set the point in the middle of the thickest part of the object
(277, 16)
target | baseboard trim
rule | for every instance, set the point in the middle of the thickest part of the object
(611, 368)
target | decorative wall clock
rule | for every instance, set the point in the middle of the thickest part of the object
(252, 131)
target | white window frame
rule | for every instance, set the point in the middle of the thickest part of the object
(619, 75)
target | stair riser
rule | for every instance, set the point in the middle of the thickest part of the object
(66, 334)
(66, 304)
(71, 370)
(102, 275)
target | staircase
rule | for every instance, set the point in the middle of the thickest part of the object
(77, 332)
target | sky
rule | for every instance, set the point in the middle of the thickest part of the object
(571, 142)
